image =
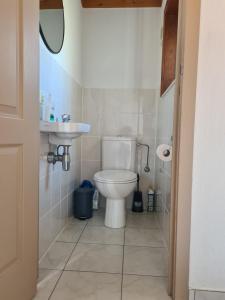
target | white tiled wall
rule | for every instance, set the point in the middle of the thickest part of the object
(56, 186)
(206, 295)
(191, 295)
(61, 76)
(58, 78)
(129, 112)
(163, 169)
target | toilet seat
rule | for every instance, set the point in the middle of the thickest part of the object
(115, 176)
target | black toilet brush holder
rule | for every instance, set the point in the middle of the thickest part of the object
(137, 199)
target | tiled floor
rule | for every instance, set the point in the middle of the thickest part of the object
(91, 262)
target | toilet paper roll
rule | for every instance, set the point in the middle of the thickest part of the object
(164, 152)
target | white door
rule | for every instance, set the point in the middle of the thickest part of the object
(19, 142)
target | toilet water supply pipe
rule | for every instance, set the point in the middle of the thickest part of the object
(147, 168)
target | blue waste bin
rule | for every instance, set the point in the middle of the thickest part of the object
(83, 203)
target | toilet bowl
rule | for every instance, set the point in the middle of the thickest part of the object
(115, 185)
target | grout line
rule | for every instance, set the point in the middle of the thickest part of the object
(63, 270)
(58, 241)
(149, 275)
(94, 272)
(110, 273)
(140, 246)
(103, 244)
(121, 245)
(123, 263)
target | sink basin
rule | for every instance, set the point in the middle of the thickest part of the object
(63, 133)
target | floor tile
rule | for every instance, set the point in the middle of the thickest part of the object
(100, 211)
(102, 235)
(144, 288)
(139, 220)
(145, 261)
(97, 220)
(71, 233)
(144, 237)
(47, 281)
(88, 286)
(72, 220)
(97, 258)
(57, 256)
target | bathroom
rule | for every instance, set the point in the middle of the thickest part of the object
(112, 150)
(107, 74)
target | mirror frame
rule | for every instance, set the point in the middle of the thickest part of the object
(63, 39)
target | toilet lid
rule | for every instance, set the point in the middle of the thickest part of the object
(115, 176)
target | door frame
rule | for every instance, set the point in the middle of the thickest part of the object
(183, 133)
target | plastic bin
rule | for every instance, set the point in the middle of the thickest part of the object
(83, 203)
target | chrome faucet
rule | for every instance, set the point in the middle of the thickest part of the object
(66, 118)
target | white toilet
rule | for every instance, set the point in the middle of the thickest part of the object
(117, 180)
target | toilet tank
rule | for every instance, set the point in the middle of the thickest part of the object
(118, 153)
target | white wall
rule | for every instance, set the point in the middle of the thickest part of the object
(60, 75)
(207, 255)
(70, 58)
(120, 48)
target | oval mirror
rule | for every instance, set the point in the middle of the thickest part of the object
(52, 24)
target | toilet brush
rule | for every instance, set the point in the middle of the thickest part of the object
(137, 200)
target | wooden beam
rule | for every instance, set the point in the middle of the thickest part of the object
(120, 3)
(51, 4)
(169, 44)
(172, 7)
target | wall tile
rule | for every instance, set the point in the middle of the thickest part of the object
(110, 123)
(89, 168)
(44, 196)
(128, 124)
(163, 170)
(206, 295)
(191, 295)
(148, 104)
(64, 208)
(147, 125)
(91, 148)
(118, 112)
(55, 184)
(55, 188)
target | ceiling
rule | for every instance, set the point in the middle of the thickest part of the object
(120, 3)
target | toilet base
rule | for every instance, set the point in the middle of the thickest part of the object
(115, 216)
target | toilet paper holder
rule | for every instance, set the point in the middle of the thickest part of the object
(166, 153)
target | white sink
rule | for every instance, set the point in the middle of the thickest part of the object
(63, 133)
